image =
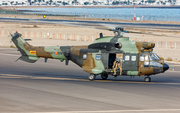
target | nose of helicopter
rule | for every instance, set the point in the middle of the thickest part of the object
(165, 67)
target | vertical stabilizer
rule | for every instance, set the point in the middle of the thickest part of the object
(24, 48)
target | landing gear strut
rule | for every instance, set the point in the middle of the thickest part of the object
(104, 76)
(92, 77)
(147, 79)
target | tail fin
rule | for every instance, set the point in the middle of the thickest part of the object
(24, 48)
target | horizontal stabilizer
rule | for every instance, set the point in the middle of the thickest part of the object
(28, 59)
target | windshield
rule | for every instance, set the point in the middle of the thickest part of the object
(157, 56)
(153, 56)
(155, 64)
(149, 57)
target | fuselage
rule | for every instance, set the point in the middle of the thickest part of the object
(137, 58)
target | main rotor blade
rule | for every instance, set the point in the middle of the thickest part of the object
(110, 27)
(151, 34)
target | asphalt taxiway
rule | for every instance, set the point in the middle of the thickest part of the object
(90, 23)
(55, 87)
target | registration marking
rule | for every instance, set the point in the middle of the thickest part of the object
(33, 52)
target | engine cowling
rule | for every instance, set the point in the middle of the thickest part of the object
(105, 45)
(147, 45)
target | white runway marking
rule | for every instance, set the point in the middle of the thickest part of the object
(73, 79)
(120, 111)
(6, 48)
(9, 54)
(174, 65)
(173, 71)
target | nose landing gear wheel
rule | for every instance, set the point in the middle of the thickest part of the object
(104, 76)
(92, 77)
(147, 79)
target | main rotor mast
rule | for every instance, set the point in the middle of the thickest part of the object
(118, 31)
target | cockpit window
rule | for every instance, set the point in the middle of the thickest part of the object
(157, 56)
(155, 64)
(146, 64)
(146, 57)
(152, 56)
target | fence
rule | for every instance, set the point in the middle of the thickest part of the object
(30, 34)
(50, 35)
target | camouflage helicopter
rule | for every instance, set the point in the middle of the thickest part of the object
(137, 58)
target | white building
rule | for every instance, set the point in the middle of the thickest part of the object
(13, 2)
(81, 2)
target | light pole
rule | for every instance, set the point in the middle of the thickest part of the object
(134, 11)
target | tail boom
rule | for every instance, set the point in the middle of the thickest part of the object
(31, 54)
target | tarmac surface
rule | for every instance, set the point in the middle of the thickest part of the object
(81, 22)
(55, 87)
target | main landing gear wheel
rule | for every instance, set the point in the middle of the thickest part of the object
(92, 77)
(147, 79)
(104, 76)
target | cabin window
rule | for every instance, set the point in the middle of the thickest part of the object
(127, 58)
(142, 57)
(98, 57)
(133, 58)
(84, 56)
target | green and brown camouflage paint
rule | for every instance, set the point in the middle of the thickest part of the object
(101, 46)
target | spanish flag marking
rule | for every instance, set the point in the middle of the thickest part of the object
(56, 53)
(33, 52)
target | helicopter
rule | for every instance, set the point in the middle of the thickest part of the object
(137, 58)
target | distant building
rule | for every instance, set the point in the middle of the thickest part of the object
(90, 2)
